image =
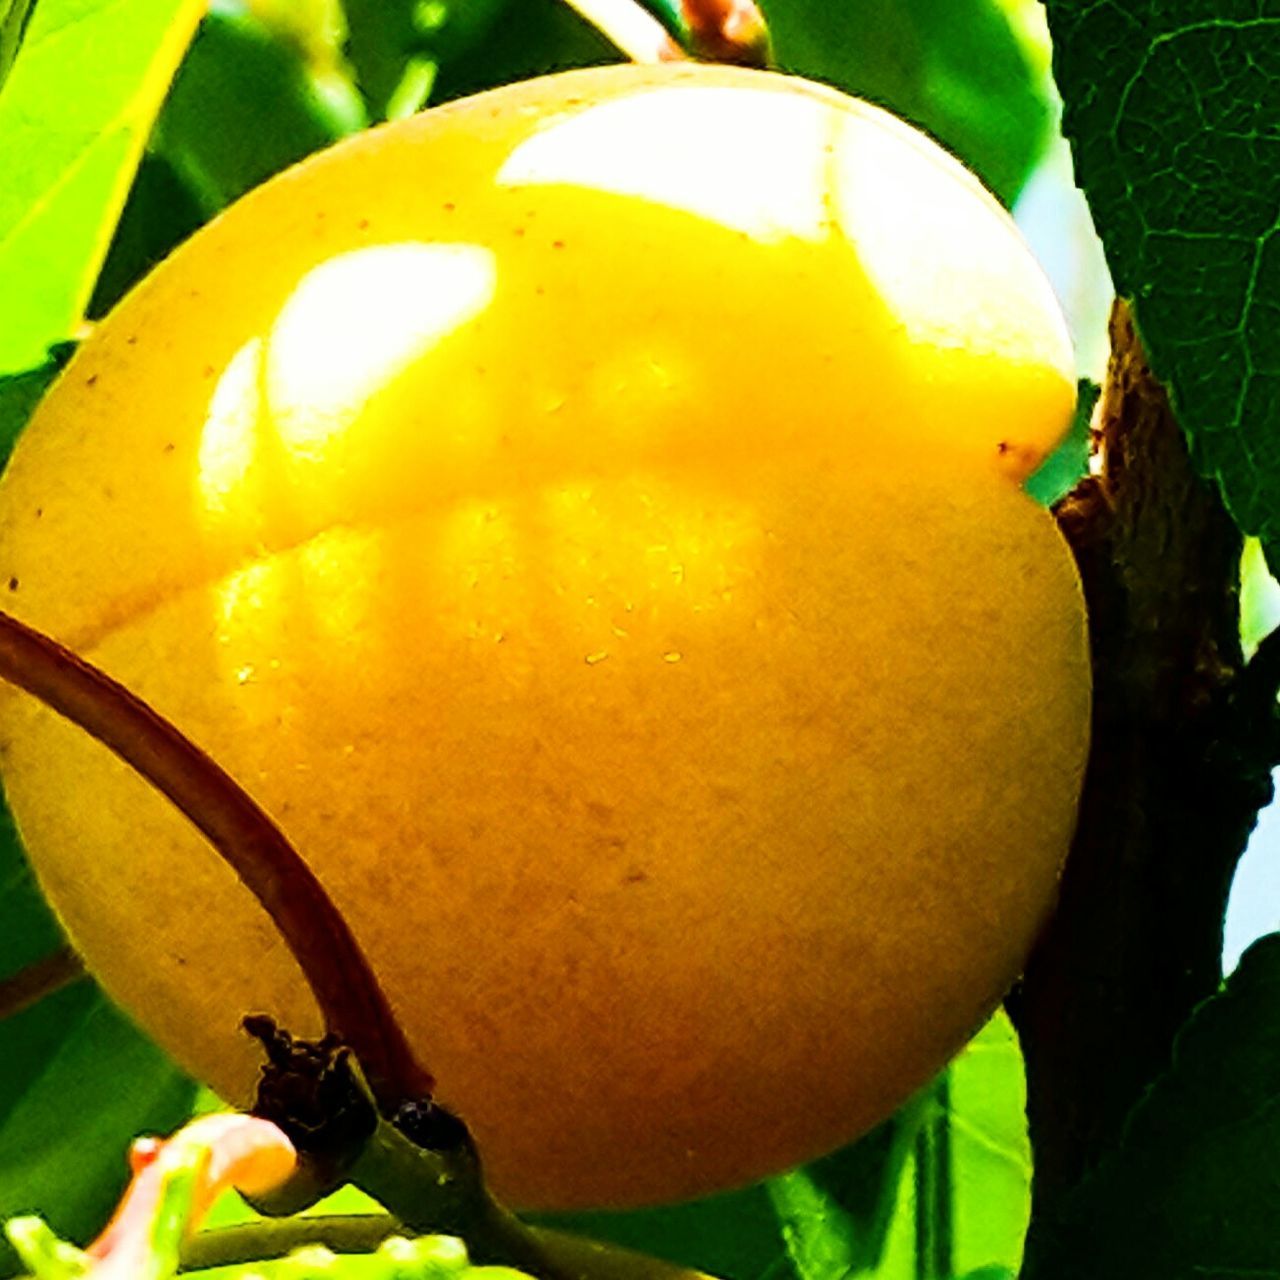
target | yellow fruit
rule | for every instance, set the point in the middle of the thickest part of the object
(587, 516)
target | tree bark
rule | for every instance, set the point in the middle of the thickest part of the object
(1183, 744)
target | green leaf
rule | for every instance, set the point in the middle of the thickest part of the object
(74, 115)
(64, 1141)
(956, 68)
(549, 37)
(388, 38)
(835, 1213)
(1191, 1192)
(990, 1151)
(965, 1193)
(733, 1236)
(19, 395)
(14, 16)
(28, 932)
(161, 212)
(245, 105)
(1059, 473)
(1171, 109)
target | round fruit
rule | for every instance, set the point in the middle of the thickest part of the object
(587, 516)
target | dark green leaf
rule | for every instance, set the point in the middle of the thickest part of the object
(28, 932)
(19, 395)
(953, 67)
(549, 36)
(244, 105)
(733, 1236)
(74, 115)
(387, 38)
(160, 214)
(1173, 109)
(1191, 1193)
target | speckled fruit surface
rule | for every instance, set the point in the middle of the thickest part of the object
(587, 517)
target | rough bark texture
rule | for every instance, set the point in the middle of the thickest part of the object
(1183, 743)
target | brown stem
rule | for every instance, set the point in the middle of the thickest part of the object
(354, 1006)
(38, 980)
(1175, 779)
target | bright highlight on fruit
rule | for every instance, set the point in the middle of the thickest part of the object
(587, 517)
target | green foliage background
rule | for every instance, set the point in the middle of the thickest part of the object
(125, 124)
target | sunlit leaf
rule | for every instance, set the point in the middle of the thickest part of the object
(990, 1151)
(74, 115)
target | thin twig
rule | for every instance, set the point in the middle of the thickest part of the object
(355, 1008)
(630, 27)
(43, 978)
(252, 1242)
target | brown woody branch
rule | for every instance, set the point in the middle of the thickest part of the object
(1184, 739)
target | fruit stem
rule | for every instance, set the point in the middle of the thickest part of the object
(354, 1006)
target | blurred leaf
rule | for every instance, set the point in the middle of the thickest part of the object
(835, 1213)
(244, 105)
(318, 28)
(1172, 111)
(548, 36)
(955, 68)
(74, 114)
(1191, 1193)
(64, 1141)
(732, 1236)
(388, 38)
(28, 932)
(161, 212)
(19, 395)
(14, 16)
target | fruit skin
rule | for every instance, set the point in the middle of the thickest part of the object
(587, 517)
